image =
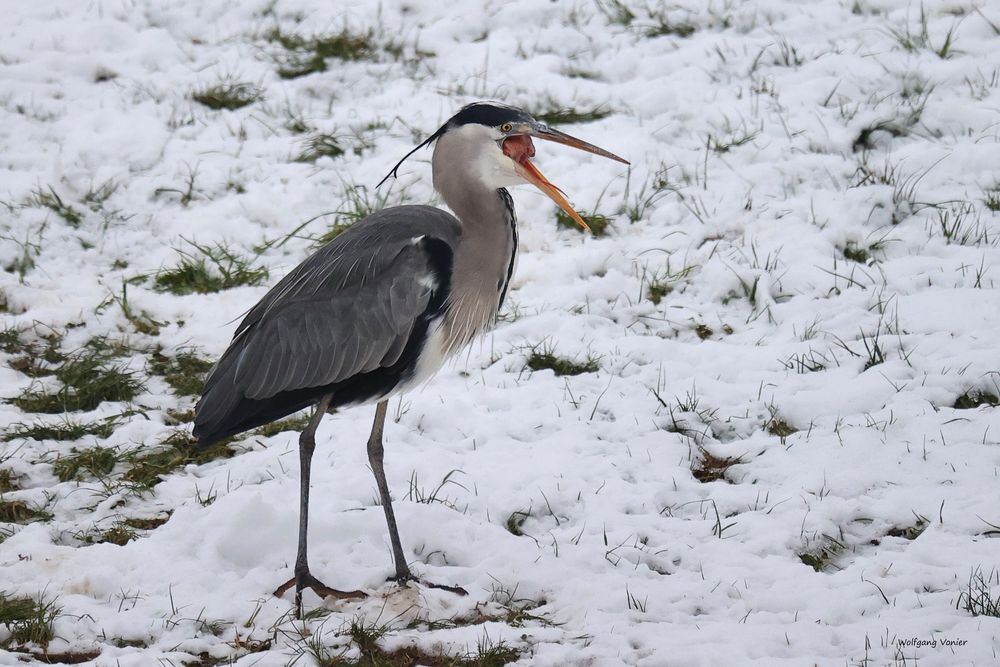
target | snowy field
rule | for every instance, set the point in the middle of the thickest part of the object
(773, 437)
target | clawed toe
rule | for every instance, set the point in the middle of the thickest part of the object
(408, 577)
(307, 580)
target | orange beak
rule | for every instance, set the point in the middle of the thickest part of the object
(519, 148)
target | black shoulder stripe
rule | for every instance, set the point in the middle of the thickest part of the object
(512, 221)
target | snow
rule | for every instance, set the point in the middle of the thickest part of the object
(630, 559)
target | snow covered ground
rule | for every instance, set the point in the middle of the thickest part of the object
(789, 451)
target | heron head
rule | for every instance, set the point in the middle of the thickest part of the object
(493, 143)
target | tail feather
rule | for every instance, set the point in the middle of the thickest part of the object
(224, 410)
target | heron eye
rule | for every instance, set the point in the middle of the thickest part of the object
(506, 127)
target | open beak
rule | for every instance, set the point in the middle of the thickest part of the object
(520, 149)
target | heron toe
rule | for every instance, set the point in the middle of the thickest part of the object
(307, 580)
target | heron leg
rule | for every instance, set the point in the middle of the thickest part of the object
(376, 457)
(303, 578)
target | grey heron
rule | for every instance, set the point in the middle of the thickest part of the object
(379, 309)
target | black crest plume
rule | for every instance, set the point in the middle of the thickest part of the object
(490, 114)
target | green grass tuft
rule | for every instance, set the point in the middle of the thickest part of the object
(703, 331)
(209, 269)
(147, 469)
(66, 429)
(779, 427)
(88, 378)
(29, 620)
(185, 372)
(543, 358)
(657, 290)
(992, 199)
(296, 424)
(97, 461)
(18, 511)
(51, 200)
(119, 533)
(229, 95)
(598, 223)
(516, 520)
(10, 340)
(567, 116)
(823, 555)
(667, 27)
(909, 532)
(33, 358)
(366, 637)
(320, 146)
(308, 55)
(974, 398)
(8, 481)
(855, 253)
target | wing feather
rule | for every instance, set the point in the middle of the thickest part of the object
(348, 309)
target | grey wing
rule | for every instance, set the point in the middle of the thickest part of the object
(329, 337)
(349, 308)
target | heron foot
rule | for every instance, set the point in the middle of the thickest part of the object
(402, 580)
(306, 580)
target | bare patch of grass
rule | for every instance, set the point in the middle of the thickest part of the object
(543, 357)
(185, 372)
(712, 468)
(779, 426)
(303, 55)
(88, 378)
(909, 532)
(295, 423)
(8, 481)
(570, 116)
(974, 398)
(18, 511)
(320, 146)
(515, 522)
(67, 429)
(822, 555)
(95, 461)
(146, 469)
(209, 269)
(28, 620)
(656, 290)
(228, 94)
(598, 223)
(366, 636)
(991, 199)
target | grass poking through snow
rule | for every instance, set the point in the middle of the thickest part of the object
(544, 358)
(712, 468)
(66, 429)
(185, 372)
(147, 468)
(974, 398)
(598, 223)
(18, 511)
(305, 55)
(209, 269)
(95, 461)
(228, 94)
(978, 598)
(88, 378)
(320, 146)
(568, 116)
(28, 620)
